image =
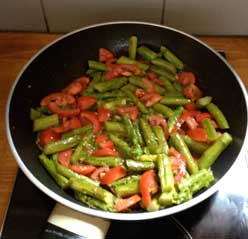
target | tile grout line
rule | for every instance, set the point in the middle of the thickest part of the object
(44, 16)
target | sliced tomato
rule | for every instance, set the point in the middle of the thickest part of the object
(122, 204)
(99, 173)
(151, 98)
(84, 81)
(140, 92)
(93, 119)
(64, 157)
(190, 106)
(132, 111)
(85, 102)
(154, 78)
(103, 114)
(68, 124)
(198, 134)
(203, 115)
(178, 166)
(104, 142)
(105, 55)
(149, 84)
(59, 98)
(83, 169)
(113, 174)
(191, 123)
(159, 120)
(47, 136)
(54, 108)
(192, 91)
(148, 186)
(118, 70)
(106, 152)
(186, 78)
(73, 88)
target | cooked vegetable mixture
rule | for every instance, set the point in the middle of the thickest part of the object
(134, 133)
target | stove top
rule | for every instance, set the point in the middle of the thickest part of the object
(222, 216)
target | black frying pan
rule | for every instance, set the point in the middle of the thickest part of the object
(66, 59)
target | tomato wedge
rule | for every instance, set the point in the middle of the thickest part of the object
(54, 108)
(148, 186)
(85, 102)
(178, 164)
(105, 152)
(159, 120)
(192, 91)
(47, 136)
(68, 124)
(83, 169)
(103, 114)
(190, 106)
(99, 172)
(197, 134)
(59, 98)
(153, 77)
(149, 84)
(105, 55)
(151, 98)
(132, 111)
(186, 78)
(113, 174)
(64, 157)
(103, 141)
(122, 204)
(93, 119)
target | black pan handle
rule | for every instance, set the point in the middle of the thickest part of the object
(65, 223)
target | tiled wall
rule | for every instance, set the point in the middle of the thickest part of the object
(221, 17)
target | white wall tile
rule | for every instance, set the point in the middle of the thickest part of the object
(212, 17)
(21, 15)
(67, 15)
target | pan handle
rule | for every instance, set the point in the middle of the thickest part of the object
(66, 223)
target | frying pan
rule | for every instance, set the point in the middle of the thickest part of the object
(65, 59)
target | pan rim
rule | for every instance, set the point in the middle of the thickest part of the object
(110, 215)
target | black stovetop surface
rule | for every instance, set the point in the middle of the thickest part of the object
(222, 216)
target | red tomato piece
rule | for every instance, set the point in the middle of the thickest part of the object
(59, 98)
(67, 125)
(113, 174)
(73, 88)
(121, 70)
(151, 98)
(47, 136)
(106, 152)
(159, 120)
(203, 115)
(190, 106)
(153, 77)
(122, 204)
(85, 102)
(99, 172)
(54, 108)
(64, 157)
(104, 142)
(186, 78)
(140, 92)
(93, 119)
(84, 81)
(132, 111)
(148, 186)
(105, 55)
(178, 166)
(150, 86)
(103, 114)
(192, 91)
(83, 169)
(191, 123)
(198, 134)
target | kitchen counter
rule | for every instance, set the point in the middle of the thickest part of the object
(17, 48)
